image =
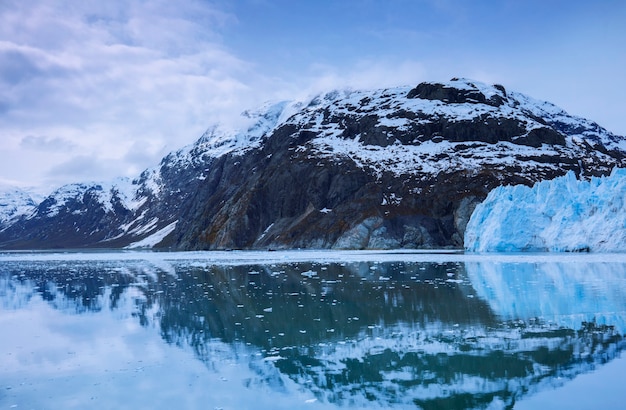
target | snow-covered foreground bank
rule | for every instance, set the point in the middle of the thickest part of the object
(564, 214)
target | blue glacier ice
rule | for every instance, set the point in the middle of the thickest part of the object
(564, 214)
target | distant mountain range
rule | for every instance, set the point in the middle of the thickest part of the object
(392, 168)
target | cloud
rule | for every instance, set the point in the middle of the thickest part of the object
(371, 74)
(109, 53)
(82, 168)
(42, 143)
(16, 67)
(102, 75)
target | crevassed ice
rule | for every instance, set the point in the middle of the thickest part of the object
(564, 214)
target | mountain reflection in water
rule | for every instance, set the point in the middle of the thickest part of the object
(393, 334)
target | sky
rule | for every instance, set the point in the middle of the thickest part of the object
(91, 90)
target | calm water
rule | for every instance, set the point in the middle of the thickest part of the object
(236, 330)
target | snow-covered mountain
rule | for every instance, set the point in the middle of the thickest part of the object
(15, 203)
(390, 168)
(564, 214)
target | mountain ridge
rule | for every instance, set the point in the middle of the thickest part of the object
(388, 168)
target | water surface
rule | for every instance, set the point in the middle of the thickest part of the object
(311, 330)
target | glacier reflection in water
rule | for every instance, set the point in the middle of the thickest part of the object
(405, 331)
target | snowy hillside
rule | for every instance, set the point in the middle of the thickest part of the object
(14, 203)
(107, 195)
(424, 130)
(564, 214)
(220, 140)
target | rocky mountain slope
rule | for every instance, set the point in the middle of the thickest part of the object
(390, 168)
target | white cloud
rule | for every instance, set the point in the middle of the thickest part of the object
(79, 168)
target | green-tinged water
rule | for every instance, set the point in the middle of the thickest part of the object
(311, 330)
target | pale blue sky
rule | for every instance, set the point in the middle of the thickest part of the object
(90, 90)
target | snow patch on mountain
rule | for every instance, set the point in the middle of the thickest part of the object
(429, 157)
(155, 238)
(127, 191)
(564, 214)
(150, 182)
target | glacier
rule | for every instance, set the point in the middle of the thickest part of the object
(560, 215)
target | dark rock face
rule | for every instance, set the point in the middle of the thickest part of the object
(396, 168)
(454, 95)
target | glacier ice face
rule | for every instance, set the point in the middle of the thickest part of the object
(564, 214)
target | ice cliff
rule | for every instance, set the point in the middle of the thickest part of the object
(564, 214)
